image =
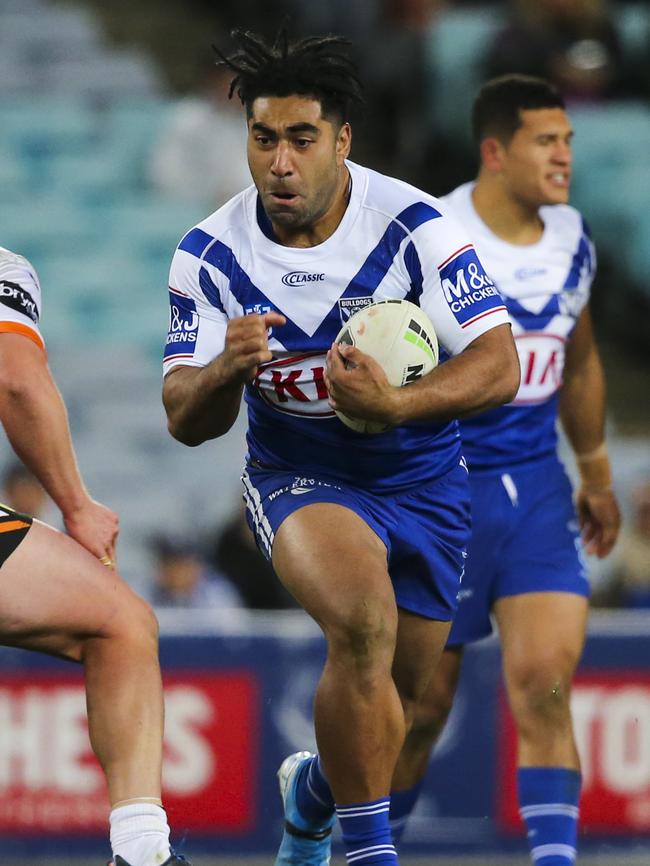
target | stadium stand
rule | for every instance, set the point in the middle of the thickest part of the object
(77, 119)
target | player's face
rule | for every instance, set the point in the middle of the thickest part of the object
(536, 166)
(296, 158)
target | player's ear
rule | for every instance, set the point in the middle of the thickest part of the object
(343, 142)
(492, 154)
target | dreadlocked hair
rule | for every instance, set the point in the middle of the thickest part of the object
(317, 67)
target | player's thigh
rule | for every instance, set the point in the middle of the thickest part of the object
(50, 584)
(334, 564)
(542, 637)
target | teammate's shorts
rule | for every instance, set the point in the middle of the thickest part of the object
(525, 538)
(14, 526)
(425, 529)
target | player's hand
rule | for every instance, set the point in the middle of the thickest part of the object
(358, 386)
(600, 520)
(95, 527)
(247, 344)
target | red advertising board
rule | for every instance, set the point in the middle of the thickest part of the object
(611, 714)
(51, 782)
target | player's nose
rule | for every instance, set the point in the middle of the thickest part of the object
(282, 164)
(562, 153)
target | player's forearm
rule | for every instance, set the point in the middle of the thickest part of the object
(582, 413)
(582, 404)
(36, 423)
(485, 375)
(201, 402)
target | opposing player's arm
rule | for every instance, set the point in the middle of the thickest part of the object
(203, 402)
(484, 375)
(36, 422)
(582, 412)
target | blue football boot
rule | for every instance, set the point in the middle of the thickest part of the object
(303, 844)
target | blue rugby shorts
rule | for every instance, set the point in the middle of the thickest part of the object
(525, 538)
(425, 529)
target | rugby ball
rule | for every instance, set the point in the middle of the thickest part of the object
(400, 337)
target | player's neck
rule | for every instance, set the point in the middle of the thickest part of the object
(508, 219)
(323, 227)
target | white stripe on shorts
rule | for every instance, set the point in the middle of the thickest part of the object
(254, 503)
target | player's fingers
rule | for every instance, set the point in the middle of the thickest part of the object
(335, 365)
(273, 319)
(609, 535)
(351, 355)
(252, 347)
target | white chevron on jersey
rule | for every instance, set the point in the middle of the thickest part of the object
(394, 241)
(545, 286)
(20, 297)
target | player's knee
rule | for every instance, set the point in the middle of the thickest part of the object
(541, 694)
(146, 622)
(136, 624)
(364, 632)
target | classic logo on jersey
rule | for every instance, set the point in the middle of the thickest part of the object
(541, 359)
(299, 278)
(529, 273)
(183, 326)
(14, 296)
(468, 290)
(295, 385)
(349, 306)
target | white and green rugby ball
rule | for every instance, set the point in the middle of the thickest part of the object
(400, 337)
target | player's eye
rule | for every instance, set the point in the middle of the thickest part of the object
(303, 142)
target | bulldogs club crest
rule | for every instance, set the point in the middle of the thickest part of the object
(349, 306)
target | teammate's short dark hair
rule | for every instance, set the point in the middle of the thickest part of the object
(500, 101)
(317, 67)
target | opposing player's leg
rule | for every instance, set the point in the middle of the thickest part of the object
(56, 598)
(542, 637)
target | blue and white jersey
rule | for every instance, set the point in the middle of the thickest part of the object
(394, 241)
(545, 286)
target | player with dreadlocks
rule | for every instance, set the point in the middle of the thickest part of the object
(367, 532)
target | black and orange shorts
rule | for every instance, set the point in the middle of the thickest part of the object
(14, 526)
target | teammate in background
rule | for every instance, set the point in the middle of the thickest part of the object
(60, 594)
(367, 532)
(525, 564)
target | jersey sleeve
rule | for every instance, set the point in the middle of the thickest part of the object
(197, 318)
(20, 298)
(457, 294)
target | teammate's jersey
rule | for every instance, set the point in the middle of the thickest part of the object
(545, 287)
(20, 297)
(393, 242)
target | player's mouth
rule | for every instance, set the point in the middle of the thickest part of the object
(560, 179)
(283, 197)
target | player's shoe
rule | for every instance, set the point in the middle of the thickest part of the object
(170, 861)
(303, 844)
